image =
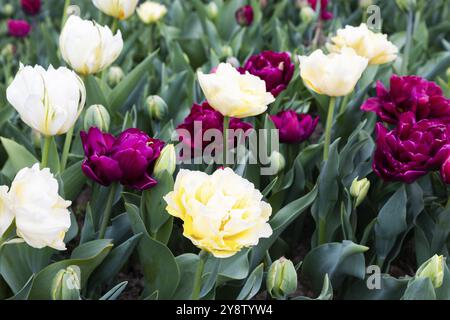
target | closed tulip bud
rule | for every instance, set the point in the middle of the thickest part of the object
(120, 9)
(365, 3)
(281, 278)
(167, 161)
(8, 51)
(277, 162)
(359, 189)
(447, 73)
(115, 75)
(97, 116)
(307, 14)
(233, 61)
(8, 9)
(66, 284)
(151, 12)
(157, 108)
(212, 10)
(433, 268)
(227, 51)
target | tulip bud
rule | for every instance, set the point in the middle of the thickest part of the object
(157, 108)
(212, 10)
(8, 9)
(66, 284)
(97, 116)
(281, 278)
(167, 161)
(433, 268)
(277, 162)
(115, 75)
(227, 51)
(447, 73)
(365, 3)
(8, 51)
(233, 61)
(359, 189)
(307, 14)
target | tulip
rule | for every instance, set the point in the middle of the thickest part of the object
(6, 214)
(409, 94)
(294, 127)
(324, 14)
(157, 108)
(31, 7)
(433, 269)
(166, 162)
(373, 46)
(120, 9)
(324, 73)
(42, 217)
(359, 189)
(307, 14)
(411, 149)
(208, 118)
(18, 28)
(244, 16)
(222, 212)
(8, 10)
(67, 284)
(48, 101)
(88, 47)
(281, 278)
(445, 171)
(234, 94)
(115, 75)
(212, 10)
(97, 116)
(275, 68)
(129, 158)
(151, 12)
(277, 162)
(364, 4)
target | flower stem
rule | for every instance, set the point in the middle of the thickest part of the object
(114, 26)
(198, 275)
(45, 151)
(108, 209)
(322, 231)
(226, 124)
(64, 17)
(66, 149)
(328, 127)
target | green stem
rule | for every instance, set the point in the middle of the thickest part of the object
(66, 149)
(344, 103)
(64, 17)
(322, 231)
(198, 276)
(408, 44)
(108, 209)
(328, 127)
(45, 151)
(226, 123)
(114, 26)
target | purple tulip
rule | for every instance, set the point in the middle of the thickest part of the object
(18, 28)
(445, 171)
(129, 158)
(324, 14)
(411, 149)
(31, 7)
(209, 119)
(294, 127)
(409, 93)
(275, 68)
(244, 16)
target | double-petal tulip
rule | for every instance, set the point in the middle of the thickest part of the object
(275, 68)
(411, 149)
(18, 28)
(49, 101)
(31, 7)
(129, 158)
(445, 171)
(244, 15)
(409, 94)
(222, 212)
(324, 13)
(373, 46)
(88, 47)
(335, 74)
(120, 9)
(234, 94)
(6, 214)
(294, 127)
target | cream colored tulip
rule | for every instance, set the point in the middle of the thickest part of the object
(335, 74)
(234, 94)
(42, 217)
(48, 101)
(6, 214)
(222, 212)
(88, 47)
(120, 9)
(366, 43)
(151, 12)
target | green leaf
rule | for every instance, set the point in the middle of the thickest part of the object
(94, 93)
(73, 180)
(115, 292)
(253, 284)
(187, 264)
(419, 289)
(18, 155)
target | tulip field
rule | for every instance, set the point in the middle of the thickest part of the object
(224, 150)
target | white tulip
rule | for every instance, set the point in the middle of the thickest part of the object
(6, 215)
(49, 101)
(150, 12)
(89, 47)
(120, 9)
(42, 217)
(234, 94)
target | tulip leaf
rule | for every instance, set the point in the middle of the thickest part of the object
(419, 289)
(94, 93)
(73, 180)
(325, 294)
(187, 264)
(253, 284)
(18, 155)
(115, 292)
(390, 288)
